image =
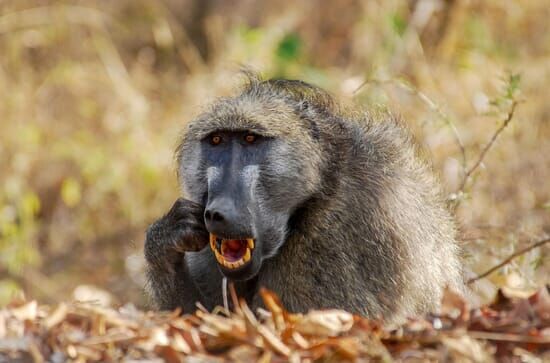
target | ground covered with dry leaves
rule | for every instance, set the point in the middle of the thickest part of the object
(511, 328)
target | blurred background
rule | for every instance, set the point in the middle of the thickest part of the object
(94, 95)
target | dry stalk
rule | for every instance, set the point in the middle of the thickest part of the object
(469, 172)
(509, 259)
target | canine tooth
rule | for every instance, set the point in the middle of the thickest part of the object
(246, 256)
(219, 257)
(212, 242)
(250, 243)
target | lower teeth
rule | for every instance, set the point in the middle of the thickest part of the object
(216, 245)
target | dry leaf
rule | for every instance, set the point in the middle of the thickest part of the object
(324, 322)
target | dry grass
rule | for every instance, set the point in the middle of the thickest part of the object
(94, 94)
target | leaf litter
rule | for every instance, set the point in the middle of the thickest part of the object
(511, 328)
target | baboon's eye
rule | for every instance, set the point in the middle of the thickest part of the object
(250, 138)
(215, 139)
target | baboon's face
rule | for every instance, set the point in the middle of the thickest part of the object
(250, 185)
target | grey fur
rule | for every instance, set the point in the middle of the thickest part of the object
(369, 233)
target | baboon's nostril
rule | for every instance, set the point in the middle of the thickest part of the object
(217, 217)
(214, 216)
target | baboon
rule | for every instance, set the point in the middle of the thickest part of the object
(327, 207)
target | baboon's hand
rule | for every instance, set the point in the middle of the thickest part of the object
(180, 230)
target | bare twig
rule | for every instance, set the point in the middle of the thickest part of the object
(509, 259)
(487, 147)
(507, 337)
(432, 105)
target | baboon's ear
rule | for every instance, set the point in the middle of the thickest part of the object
(306, 115)
(314, 130)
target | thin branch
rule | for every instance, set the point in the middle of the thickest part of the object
(505, 337)
(509, 259)
(487, 147)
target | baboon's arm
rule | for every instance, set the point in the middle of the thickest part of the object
(180, 230)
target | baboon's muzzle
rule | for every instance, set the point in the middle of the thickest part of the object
(228, 220)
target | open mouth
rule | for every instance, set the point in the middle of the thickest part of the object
(232, 253)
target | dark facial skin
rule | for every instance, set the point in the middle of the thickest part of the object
(232, 161)
(241, 199)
